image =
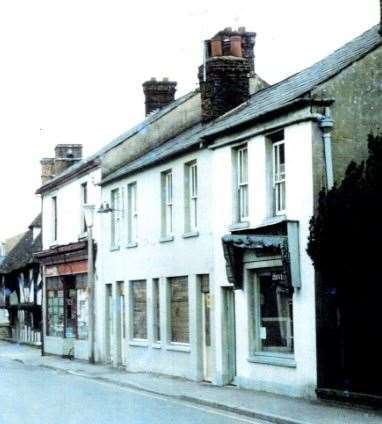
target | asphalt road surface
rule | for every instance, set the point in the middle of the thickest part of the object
(34, 395)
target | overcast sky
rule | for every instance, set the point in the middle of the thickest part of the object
(71, 70)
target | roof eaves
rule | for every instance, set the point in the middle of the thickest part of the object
(81, 167)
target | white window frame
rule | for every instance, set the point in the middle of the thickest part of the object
(132, 214)
(171, 344)
(132, 338)
(54, 218)
(252, 288)
(242, 183)
(191, 197)
(167, 204)
(115, 218)
(279, 178)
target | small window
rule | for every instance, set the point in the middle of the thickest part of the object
(241, 184)
(156, 310)
(132, 213)
(179, 319)
(139, 309)
(84, 201)
(167, 205)
(273, 304)
(191, 196)
(115, 217)
(278, 172)
(54, 218)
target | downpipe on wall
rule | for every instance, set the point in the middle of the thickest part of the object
(326, 124)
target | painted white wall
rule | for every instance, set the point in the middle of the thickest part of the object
(154, 259)
(69, 231)
(301, 380)
(69, 210)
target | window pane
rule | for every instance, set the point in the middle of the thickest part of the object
(139, 309)
(179, 309)
(276, 317)
(132, 213)
(55, 314)
(156, 303)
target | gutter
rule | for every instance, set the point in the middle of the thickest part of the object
(267, 115)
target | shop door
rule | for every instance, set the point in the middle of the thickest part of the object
(206, 319)
(70, 314)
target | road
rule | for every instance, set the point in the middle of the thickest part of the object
(35, 395)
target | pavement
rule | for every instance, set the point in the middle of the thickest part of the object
(252, 404)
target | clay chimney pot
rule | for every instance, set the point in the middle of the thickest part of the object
(236, 49)
(216, 47)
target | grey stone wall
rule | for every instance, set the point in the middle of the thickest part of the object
(357, 110)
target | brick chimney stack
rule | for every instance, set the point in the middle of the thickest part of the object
(65, 156)
(229, 62)
(158, 94)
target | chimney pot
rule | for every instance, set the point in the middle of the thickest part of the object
(216, 47)
(235, 46)
(241, 29)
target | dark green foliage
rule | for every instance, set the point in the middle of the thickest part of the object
(345, 240)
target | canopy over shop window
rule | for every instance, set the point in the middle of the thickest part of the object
(287, 246)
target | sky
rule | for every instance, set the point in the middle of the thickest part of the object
(72, 70)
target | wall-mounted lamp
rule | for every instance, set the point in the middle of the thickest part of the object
(105, 208)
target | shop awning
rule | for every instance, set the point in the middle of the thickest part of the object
(286, 246)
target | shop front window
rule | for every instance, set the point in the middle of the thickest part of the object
(55, 314)
(273, 312)
(67, 306)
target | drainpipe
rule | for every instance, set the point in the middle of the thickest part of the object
(326, 124)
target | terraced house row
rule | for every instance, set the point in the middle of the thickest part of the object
(180, 247)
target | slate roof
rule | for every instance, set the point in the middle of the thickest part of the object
(278, 95)
(261, 103)
(77, 167)
(22, 253)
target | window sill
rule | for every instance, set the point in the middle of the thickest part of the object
(131, 245)
(156, 345)
(82, 236)
(114, 248)
(273, 359)
(179, 347)
(165, 239)
(190, 234)
(138, 343)
(53, 245)
(239, 226)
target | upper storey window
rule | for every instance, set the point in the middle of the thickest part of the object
(278, 170)
(115, 217)
(241, 183)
